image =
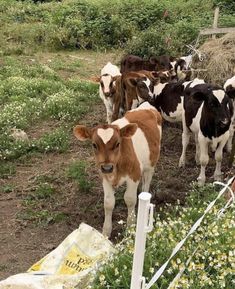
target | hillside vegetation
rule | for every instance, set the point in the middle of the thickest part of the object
(140, 27)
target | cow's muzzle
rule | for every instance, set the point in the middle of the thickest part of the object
(107, 168)
(107, 94)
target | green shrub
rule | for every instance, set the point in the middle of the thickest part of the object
(95, 24)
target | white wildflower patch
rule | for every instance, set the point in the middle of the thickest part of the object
(213, 262)
(31, 93)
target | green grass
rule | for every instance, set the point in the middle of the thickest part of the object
(6, 189)
(42, 217)
(7, 169)
(78, 172)
(31, 93)
(212, 265)
(40, 205)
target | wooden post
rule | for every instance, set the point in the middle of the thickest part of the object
(215, 22)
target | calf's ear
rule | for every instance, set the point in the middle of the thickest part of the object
(95, 78)
(128, 130)
(132, 81)
(82, 132)
(230, 90)
(115, 77)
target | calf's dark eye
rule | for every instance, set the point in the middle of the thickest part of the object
(116, 145)
(95, 146)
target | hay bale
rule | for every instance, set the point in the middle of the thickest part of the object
(219, 59)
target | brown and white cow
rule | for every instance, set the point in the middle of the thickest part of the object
(126, 151)
(138, 86)
(108, 89)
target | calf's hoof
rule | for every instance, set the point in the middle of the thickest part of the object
(201, 181)
(131, 220)
(107, 231)
(218, 177)
(181, 163)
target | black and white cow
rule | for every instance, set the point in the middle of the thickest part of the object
(207, 113)
(181, 68)
(168, 98)
(229, 87)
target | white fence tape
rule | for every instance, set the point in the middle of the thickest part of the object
(193, 229)
(228, 204)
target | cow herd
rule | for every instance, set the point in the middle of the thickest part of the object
(136, 97)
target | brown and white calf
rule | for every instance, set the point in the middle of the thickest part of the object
(138, 86)
(229, 87)
(110, 75)
(126, 151)
(207, 113)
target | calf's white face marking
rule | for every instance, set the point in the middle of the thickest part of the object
(148, 83)
(106, 81)
(105, 134)
(219, 94)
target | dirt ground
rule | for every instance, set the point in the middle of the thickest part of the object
(23, 241)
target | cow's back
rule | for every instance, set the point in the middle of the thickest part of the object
(146, 140)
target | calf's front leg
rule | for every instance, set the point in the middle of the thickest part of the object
(130, 198)
(109, 203)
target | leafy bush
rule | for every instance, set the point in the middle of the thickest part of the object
(212, 264)
(93, 24)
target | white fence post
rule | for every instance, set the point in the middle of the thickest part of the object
(144, 225)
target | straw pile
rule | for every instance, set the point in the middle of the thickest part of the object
(219, 59)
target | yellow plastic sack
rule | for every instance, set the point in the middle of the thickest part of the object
(65, 266)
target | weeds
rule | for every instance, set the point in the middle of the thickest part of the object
(7, 189)
(42, 217)
(7, 170)
(58, 141)
(78, 172)
(33, 93)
